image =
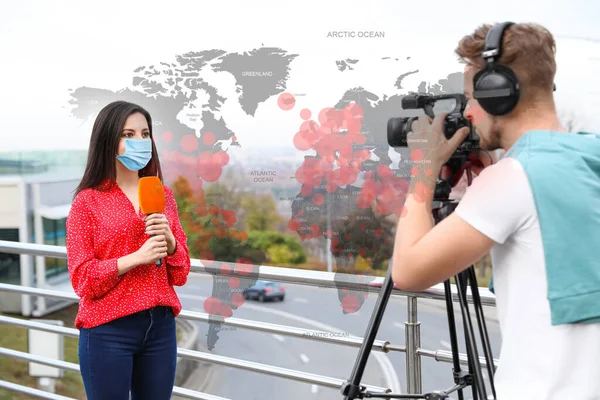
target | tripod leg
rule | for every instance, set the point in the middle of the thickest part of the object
(472, 353)
(471, 365)
(485, 339)
(452, 331)
(351, 390)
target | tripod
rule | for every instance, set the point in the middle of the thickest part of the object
(462, 379)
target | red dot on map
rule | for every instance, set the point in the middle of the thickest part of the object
(350, 303)
(209, 138)
(306, 191)
(353, 110)
(221, 158)
(212, 305)
(208, 167)
(237, 299)
(244, 260)
(207, 257)
(286, 101)
(234, 282)
(243, 269)
(301, 141)
(189, 143)
(421, 192)
(318, 199)
(429, 172)
(167, 136)
(404, 212)
(416, 155)
(234, 138)
(225, 269)
(294, 224)
(226, 311)
(414, 171)
(305, 114)
(475, 115)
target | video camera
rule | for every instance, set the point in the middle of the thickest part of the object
(398, 128)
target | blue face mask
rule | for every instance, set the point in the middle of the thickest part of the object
(138, 153)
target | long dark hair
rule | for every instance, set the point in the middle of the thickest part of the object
(104, 142)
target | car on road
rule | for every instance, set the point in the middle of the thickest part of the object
(265, 290)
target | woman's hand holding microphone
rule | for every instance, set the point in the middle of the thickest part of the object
(160, 244)
(153, 250)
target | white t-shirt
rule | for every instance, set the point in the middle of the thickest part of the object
(537, 360)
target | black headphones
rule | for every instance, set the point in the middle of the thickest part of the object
(496, 87)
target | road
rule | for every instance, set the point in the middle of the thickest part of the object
(320, 309)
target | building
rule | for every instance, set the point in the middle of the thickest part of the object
(36, 189)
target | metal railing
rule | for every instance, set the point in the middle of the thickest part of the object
(288, 275)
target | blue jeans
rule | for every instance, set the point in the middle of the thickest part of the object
(136, 353)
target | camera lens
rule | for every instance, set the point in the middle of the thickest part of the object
(396, 132)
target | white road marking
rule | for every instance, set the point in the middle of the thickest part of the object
(278, 337)
(389, 372)
(446, 344)
(300, 300)
(304, 358)
(314, 388)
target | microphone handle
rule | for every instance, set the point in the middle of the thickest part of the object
(158, 262)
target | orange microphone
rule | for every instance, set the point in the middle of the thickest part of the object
(151, 195)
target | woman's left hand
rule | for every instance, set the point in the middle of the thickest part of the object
(157, 224)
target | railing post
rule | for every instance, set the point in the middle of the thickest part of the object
(413, 342)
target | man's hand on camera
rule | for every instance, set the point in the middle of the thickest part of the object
(477, 161)
(428, 144)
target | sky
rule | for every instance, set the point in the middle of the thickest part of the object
(49, 48)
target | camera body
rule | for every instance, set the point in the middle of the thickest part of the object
(398, 128)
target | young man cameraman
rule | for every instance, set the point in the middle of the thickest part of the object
(535, 211)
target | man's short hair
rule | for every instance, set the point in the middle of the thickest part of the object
(528, 49)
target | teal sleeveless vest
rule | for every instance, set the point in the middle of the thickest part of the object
(563, 170)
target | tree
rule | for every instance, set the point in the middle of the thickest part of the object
(280, 248)
(226, 197)
(260, 212)
(210, 229)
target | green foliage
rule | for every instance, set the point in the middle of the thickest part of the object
(280, 254)
(281, 249)
(211, 228)
(260, 213)
(264, 239)
(233, 250)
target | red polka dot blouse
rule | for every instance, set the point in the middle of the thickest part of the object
(103, 226)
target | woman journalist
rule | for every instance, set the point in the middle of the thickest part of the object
(128, 305)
